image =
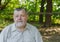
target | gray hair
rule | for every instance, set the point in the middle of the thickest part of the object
(19, 9)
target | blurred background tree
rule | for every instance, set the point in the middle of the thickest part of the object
(44, 12)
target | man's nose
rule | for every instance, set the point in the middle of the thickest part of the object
(19, 18)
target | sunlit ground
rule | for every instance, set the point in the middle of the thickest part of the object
(50, 34)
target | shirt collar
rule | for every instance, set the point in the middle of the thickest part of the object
(14, 27)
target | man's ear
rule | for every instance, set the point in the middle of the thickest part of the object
(27, 16)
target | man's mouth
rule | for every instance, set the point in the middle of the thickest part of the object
(19, 21)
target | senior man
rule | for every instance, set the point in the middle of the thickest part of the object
(20, 30)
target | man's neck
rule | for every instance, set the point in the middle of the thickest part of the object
(22, 28)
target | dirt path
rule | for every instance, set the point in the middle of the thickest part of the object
(51, 38)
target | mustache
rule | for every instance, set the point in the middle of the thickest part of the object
(19, 21)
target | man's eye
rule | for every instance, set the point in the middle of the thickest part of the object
(16, 16)
(23, 15)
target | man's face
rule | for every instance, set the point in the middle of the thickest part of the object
(20, 18)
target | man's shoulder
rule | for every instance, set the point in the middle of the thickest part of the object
(32, 27)
(7, 28)
(10, 25)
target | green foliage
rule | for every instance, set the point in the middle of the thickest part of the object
(32, 6)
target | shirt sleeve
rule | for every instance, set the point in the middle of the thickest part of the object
(3, 35)
(38, 36)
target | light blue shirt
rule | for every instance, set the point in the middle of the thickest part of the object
(12, 34)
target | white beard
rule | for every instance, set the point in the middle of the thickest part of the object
(20, 24)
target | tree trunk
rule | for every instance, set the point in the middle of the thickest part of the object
(0, 2)
(48, 13)
(41, 11)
